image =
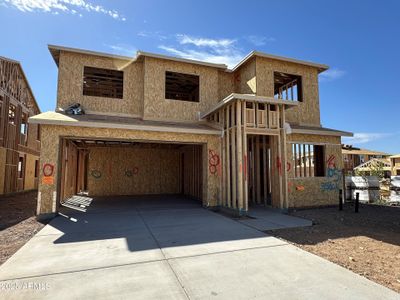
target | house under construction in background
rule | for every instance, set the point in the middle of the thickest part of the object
(354, 157)
(19, 142)
(155, 124)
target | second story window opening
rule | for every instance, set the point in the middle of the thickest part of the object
(103, 83)
(180, 86)
(287, 87)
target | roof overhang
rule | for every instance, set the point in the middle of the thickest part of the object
(320, 67)
(98, 121)
(317, 131)
(249, 98)
(55, 52)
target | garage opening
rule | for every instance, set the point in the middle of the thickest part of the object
(94, 168)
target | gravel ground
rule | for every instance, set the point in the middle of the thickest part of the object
(17, 223)
(367, 243)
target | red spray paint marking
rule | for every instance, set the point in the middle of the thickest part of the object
(279, 165)
(331, 161)
(214, 163)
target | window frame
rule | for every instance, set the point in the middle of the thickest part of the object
(186, 74)
(87, 94)
(299, 88)
(302, 164)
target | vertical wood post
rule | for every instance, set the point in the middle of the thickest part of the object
(228, 170)
(233, 160)
(239, 156)
(244, 157)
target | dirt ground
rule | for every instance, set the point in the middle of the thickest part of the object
(367, 243)
(17, 223)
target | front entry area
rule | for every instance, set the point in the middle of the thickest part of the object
(98, 168)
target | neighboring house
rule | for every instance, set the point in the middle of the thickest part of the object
(156, 124)
(395, 165)
(19, 143)
(353, 157)
(374, 167)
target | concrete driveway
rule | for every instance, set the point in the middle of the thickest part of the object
(169, 248)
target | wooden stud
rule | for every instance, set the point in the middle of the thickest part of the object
(233, 159)
(239, 156)
(245, 159)
(228, 168)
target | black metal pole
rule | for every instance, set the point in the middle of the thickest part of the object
(340, 200)
(357, 202)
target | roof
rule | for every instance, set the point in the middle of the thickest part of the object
(55, 52)
(374, 163)
(395, 156)
(104, 121)
(318, 130)
(247, 97)
(363, 152)
(25, 78)
(320, 67)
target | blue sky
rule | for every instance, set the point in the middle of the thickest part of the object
(359, 40)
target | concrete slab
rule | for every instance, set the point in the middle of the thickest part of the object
(267, 219)
(213, 236)
(282, 272)
(139, 252)
(153, 280)
(51, 254)
(94, 222)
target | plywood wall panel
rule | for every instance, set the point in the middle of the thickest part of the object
(316, 191)
(133, 171)
(307, 112)
(155, 104)
(70, 84)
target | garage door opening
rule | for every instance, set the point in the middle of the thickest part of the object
(98, 168)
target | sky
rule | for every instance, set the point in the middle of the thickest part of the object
(359, 40)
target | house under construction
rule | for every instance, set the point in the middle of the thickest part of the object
(155, 124)
(19, 142)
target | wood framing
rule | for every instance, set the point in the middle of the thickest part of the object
(19, 143)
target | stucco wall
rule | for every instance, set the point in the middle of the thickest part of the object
(50, 154)
(70, 84)
(307, 112)
(316, 191)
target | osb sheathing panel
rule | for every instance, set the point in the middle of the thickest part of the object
(245, 78)
(316, 191)
(133, 171)
(2, 168)
(33, 143)
(30, 172)
(50, 149)
(70, 84)
(307, 112)
(155, 104)
(225, 84)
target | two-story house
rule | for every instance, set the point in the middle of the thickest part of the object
(155, 124)
(19, 143)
